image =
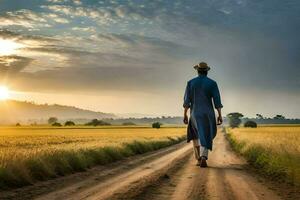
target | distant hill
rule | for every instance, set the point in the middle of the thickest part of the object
(12, 111)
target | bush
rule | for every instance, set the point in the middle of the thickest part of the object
(250, 124)
(18, 124)
(96, 122)
(128, 124)
(234, 119)
(56, 124)
(156, 125)
(69, 123)
(52, 120)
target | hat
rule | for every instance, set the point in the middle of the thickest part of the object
(202, 66)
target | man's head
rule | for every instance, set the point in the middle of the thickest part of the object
(202, 68)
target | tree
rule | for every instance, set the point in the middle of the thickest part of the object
(18, 124)
(56, 124)
(52, 120)
(250, 124)
(96, 122)
(156, 125)
(279, 117)
(259, 116)
(234, 119)
(69, 123)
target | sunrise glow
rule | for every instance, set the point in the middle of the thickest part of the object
(8, 47)
(4, 93)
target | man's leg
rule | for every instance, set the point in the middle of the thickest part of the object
(197, 151)
(204, 152)
(203, 156)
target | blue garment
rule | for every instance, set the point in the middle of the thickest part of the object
(200, 95)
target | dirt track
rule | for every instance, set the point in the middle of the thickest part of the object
(225, 178)
(166, 174)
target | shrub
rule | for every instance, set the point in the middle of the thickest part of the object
(96, 122)
(156, 125)
(56, 124)
(250, 124)
(69, 123)
(18, 124)
(234, 119)
(52, 120)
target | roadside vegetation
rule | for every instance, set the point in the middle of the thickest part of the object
(156, 125)
(274, 151)
(30, 154)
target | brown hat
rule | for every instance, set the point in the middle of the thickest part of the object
(202, 66)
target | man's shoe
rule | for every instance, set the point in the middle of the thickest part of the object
(203, 162)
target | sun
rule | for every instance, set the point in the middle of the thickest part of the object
(4, 93)
(8, 47)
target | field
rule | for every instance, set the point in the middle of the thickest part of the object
(28, 154)
(275, 151)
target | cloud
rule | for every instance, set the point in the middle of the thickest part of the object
(30, 19)
(105, 79)
(103, 15)
(77, 2)
(100, 14)
(56, 18)
(145, 46)
(85, 29)
(27, 39)
(58, 1)
(13, 64)
(24, 18)
(152, 45)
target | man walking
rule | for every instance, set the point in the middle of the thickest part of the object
(200, 95)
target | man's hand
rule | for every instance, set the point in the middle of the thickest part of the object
(185, 119)
(219, 120)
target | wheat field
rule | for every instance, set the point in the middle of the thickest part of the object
(28, 154)
(274, 150)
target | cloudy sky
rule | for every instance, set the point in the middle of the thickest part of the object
(135, 56)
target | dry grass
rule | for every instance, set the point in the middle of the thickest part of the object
(274, 150)
(28, 154)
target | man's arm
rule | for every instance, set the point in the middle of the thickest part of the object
(185, 116)
(220, 119)
(186, 104)
(217, 103)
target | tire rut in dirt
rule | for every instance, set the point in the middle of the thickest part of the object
(184, 182)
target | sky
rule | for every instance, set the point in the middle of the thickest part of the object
(136, 56)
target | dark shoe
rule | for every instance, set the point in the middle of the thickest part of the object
(203, 162)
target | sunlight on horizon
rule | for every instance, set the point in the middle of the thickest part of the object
(4, 93)
(8, 47)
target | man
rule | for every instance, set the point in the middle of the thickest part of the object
(202, 127)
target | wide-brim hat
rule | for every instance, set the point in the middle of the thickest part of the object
(202, 66)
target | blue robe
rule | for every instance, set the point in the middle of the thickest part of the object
(200, 95)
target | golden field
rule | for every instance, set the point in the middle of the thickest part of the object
(274, 150)
(30, 153)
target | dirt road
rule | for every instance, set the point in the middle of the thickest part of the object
(226, 179)
(166, 174)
